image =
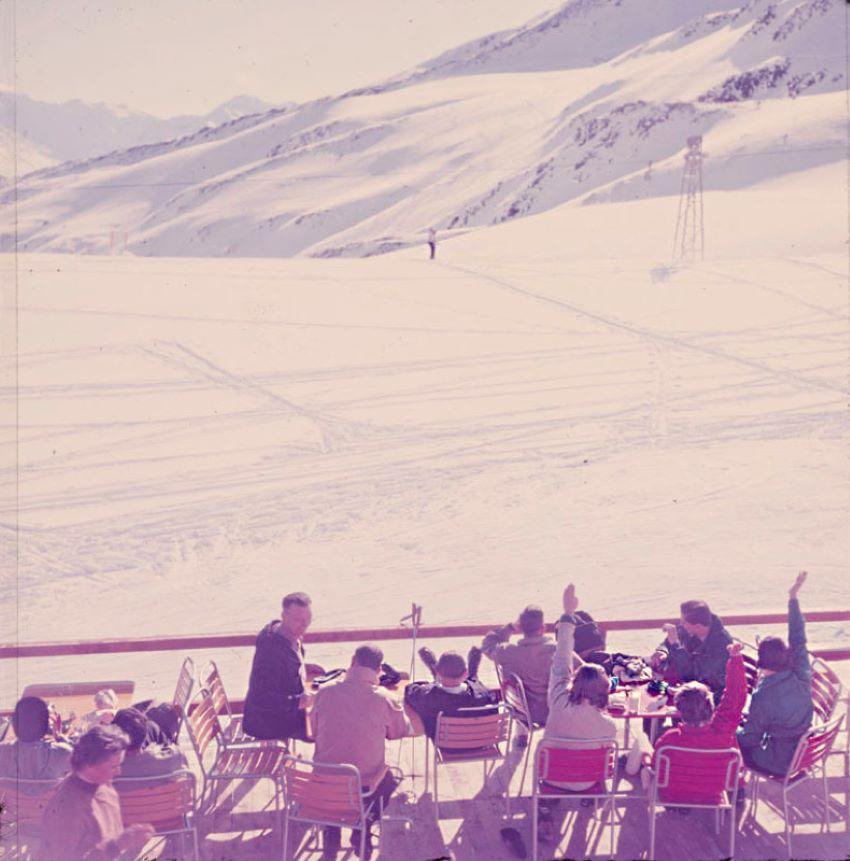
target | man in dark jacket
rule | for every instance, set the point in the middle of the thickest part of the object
(695, 649)
(453, 690)
(781, 706)
(276, 704)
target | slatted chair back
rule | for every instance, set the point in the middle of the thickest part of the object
(471, 729)
(516, 701)
(576, 761)
(695, 776)
(211, 680)
(751, 671)
(24, 801)
(317, 792)
(827, 690)
(814, 747)
(202, 725)
(183, 689)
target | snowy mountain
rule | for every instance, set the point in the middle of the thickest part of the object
(49, 133)
(591, 103)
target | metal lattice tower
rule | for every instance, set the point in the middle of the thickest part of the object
(689, 239)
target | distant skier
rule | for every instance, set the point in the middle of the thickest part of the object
(432, 242)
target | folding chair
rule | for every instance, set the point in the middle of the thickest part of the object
(516, 702)
(167, 802)
(470, 735)
(322, 794)
(183, 689)
(827, 690)
(573, 760)
(211, 681)
(220, 760)
(23, 804)
(811, 754)
(694, 777)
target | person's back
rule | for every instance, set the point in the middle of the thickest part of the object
(449, 694)
(33, 755)
(781, 708)
(530, 658)
(577, 702)
(703, 727)
(353, 718)
(142, 759)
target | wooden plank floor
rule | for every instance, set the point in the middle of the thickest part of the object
(471, 813)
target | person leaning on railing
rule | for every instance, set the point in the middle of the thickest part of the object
(83, 822)
(35, 754)
(781, 707)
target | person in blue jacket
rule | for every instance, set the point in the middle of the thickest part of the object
(781, 706)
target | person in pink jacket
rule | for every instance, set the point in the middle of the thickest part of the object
(702, 725)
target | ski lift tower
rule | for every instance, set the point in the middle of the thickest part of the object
(689, 239)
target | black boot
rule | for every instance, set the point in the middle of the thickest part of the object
(429, 659)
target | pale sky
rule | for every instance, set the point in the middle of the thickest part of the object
(186, 56)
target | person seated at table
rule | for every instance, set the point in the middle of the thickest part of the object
(142, 758)
(781, 708)
(529, 658)
(276, 704)
(694, 650)
(455, 687)
(353, 719)
(35, 754)
(105, 706)
(163, 721)
(702, 725)
(82, 822)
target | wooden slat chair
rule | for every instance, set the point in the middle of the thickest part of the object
(827, 691)
(751, 671)
(692, 777)
(183, 689)
(220, 760)
(24, 802)
(471, 735)
(166, 802)
(574, 760)
(231, 724)
(516, 702)
(808, 762)
(321, 794)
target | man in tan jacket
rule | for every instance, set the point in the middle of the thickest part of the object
(530, 657)
(352, 720)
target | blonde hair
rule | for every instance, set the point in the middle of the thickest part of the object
(106, 698)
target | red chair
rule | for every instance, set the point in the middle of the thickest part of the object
(827, 690)
(695, 777)
(516, 702)
(809, 758)
(574, 760)
(751, 671)
(183, 689)
(231, 724)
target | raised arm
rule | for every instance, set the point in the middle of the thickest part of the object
(728, 713)
(797, 631)
(494, 639)
(561, 672)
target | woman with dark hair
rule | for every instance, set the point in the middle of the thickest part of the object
(35, 754)
(781, 706)
(577, 700)
(83, 820)
(143, 759)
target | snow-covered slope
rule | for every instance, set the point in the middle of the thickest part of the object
(49, 133)
(592, 103)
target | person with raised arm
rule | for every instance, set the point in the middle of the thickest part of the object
(781, 707)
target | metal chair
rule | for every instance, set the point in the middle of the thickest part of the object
(827, 690)
(516, 702)
(470, 735)
(694, 777)
(168, 803)
(232, 727)
(220, 760)
(322, 794)
(23, 805)
(809, 758)
(573, 760)
(183, 689)
(751, 671)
